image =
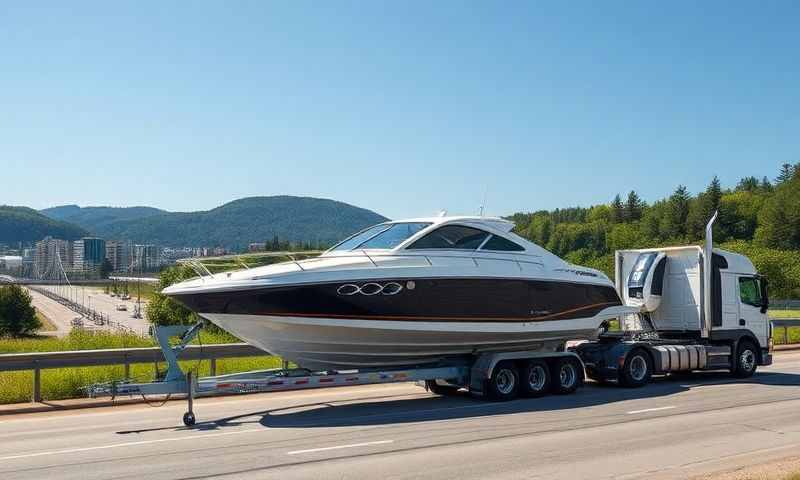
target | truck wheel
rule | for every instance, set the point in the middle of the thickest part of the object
(746, 360)
(535, 378)
(637, 370)
(437, 389)
(504, 383)
(567, 375)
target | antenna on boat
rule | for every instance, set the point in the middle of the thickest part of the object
(483, 203)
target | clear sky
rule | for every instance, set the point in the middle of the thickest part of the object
(405, 107)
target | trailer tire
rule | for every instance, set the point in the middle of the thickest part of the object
(188, 419)
(637, 369)
(746, 360)
(504, 382)
(443, 390)
(567, 375)
(535, 378)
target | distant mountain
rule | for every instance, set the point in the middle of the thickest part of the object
(233, 225)
(23, 224)
(97, 218)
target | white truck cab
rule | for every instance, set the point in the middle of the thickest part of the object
(698, 308)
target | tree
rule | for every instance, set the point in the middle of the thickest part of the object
(766, 185)
(787, 172)
(779, 219)
(633, 207)
(748, 184)
(17, 315)
(617, 210)
(674, 225)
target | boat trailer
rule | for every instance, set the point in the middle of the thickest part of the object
(178, 382)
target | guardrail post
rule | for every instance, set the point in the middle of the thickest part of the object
(213, 367)
(127, 368)
(786, 334)
(285, 365)
(37, 385)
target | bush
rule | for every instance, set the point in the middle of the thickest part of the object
(17, 315)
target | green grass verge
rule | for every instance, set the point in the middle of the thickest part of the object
(784, 313)
(58, 384)
(47, 325)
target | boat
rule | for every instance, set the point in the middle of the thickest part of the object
(408, 293)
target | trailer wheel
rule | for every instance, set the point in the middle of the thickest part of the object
(504, 383)
(535, 378)
(567, 375)
(437, 389)
(188, 419)
(746, 360)
(637, 370)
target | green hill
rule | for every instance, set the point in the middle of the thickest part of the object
(22, 224)
(233, 225)
(94, 218)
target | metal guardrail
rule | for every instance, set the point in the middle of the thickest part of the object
(38, 361)
(784, 323)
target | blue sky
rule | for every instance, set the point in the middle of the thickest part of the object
(402, 107)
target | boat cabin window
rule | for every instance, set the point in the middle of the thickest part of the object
(392, 236)
(355, 240)
(500, 244)
(453, 237)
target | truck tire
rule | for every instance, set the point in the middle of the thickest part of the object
(437, 389)
(535, 378)
(746, 360)
(567, 374)
(504, 383)
(637, 370)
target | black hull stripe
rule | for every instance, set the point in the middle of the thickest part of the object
(452, 299)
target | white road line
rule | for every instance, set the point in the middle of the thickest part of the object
(337, 447)
(128, 444)
(658, 409)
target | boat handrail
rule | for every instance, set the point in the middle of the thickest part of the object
(198, 263)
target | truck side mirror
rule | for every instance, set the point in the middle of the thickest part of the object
(764, 295)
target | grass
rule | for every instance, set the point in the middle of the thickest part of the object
(64, 383)
(47, 325)
(784, 313)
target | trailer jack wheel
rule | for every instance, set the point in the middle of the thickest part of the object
(188, 419)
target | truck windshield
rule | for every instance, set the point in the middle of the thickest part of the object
(640, 269)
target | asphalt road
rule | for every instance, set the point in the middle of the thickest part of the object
(674, 428)
(58, 314)
(100, 302)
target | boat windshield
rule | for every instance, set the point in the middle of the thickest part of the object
(384, 236)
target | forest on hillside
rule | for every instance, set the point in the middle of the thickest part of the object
(759, 218)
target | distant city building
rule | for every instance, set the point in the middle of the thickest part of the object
(170, 255)
(88, 254)
(119, 254)
(146, 258)
(257, 247)
(10, 263)
(52, 256)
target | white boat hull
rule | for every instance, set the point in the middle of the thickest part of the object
(341, 344)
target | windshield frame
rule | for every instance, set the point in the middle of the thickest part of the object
(378, 231)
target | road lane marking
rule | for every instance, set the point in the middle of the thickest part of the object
(127, 444)
(657, 409)
(337, 447)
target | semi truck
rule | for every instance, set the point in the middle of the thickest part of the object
(690, 308)
(699, 308)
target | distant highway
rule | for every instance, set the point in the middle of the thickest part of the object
(675, 428)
